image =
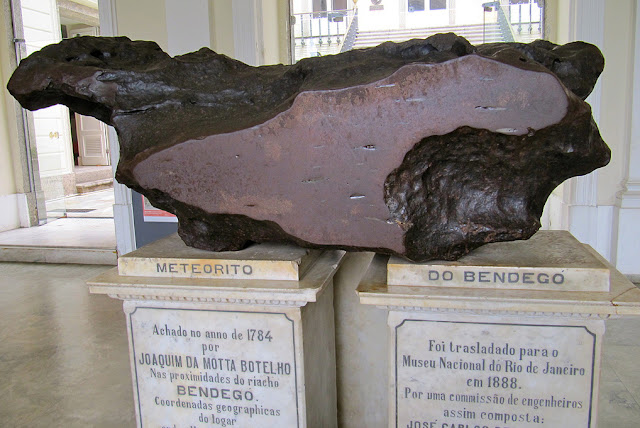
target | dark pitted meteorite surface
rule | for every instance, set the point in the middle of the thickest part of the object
(425, 149)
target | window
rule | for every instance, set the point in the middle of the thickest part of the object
(416, 5)
(319, 5)
(437, 4)
(339, 4)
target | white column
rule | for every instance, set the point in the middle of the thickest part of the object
(247, 31)
(591, 223)
(628, 254)
(122, 208)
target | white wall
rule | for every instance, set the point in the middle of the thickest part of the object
(9, 211)
(7, 181)
(14, 179)
(187, 26)
(181, 27)
(142, 20)
(221, 25)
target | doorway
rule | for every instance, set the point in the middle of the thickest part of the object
(72, 168)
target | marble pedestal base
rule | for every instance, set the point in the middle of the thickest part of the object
(231, 352)
(515, 355)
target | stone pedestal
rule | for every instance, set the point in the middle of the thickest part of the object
(211, 345)
(469, 347)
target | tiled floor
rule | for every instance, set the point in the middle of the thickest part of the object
(64, 358)
(620, 379)
(65, 232)
(63, 352)
(88, 223)
(86, 233)
(90, 205)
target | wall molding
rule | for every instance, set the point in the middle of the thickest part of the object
(630, 197)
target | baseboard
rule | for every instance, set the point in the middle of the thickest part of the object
(10, 212)
(628, 257)
(23, 210)
(86, 256)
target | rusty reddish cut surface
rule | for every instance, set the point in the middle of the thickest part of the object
(334, 149)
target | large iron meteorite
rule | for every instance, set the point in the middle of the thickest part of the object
(426, 149)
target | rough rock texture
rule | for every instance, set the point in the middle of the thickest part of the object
(425, 149)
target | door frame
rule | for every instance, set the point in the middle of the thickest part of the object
(31, 196)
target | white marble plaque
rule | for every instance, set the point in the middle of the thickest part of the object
(462, 374)
(213, 368)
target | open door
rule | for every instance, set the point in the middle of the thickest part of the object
(92, 134)
(92, 141)
(52, 129)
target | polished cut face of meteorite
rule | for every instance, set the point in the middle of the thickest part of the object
(425, 149)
